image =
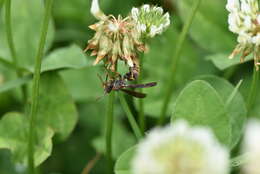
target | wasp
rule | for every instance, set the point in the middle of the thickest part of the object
(120, 84)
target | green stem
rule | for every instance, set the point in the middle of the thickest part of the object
(36, 85)
(109, 131)
(130, 117)
(10, 41)
(175, 59)
(141, 115)
(253, 91)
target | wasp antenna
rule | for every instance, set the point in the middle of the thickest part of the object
(100, 78)
(100, 97)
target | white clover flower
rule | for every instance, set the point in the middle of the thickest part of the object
(150, 20)
(180, 149)
(116, 39)
(244, 20)
(251, 147)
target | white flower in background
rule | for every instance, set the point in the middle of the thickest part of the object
(244, 20)
(180, 149)
(150, 19)
(252, 147)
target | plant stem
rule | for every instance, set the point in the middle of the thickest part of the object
(36, 85)
(175, 59)
(141, 115)
(253, 91)
(10, 41)
(109, 131)
(131, 119)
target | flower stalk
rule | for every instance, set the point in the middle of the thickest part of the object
(35, 88)
(131, 119)
(253, 91)
(10, 40)
(175, 60)
(109, 131)
(141, 116)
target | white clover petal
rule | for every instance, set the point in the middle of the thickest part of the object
(251, 147)
(167, 18)
(146, 8)
(258, 18)
(248, 22)
(245, 7)
(95, 10)
(114, 27)
(159, 10)
(233, 5)
(244, 38)
(153, 31)
(234, 22)
(141, 27)
(180, 149)
(135, 13)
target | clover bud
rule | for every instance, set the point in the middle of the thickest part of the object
(150, 20)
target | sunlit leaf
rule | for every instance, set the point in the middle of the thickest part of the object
(236, 110)
(56, 107)
(200, 104)
(222, 62)
(68, 57)
(16, 138)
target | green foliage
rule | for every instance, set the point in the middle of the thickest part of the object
(209, 29)
(213, 107)
(123, 164)
(14, 83)
(235, 106)
(222, 62)
(69, 57)
(200, 104)
(159, 57)
(26, 20)
(56, 107)
(120, 142)
(16, 138)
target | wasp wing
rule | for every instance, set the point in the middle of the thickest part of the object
(134, 93)
(146, 85)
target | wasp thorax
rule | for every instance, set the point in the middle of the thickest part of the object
(116, 39)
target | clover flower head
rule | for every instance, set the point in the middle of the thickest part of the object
(115, 39)
(180, 149)
(150, 19)
(244, 20)
(251, 147)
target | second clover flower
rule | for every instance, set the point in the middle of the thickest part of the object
(244, 20)
(150, 19)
